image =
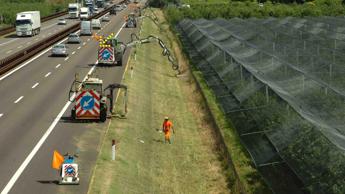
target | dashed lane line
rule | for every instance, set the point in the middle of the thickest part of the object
(84, 43)
(35, 85)
(66, 58)
(9, 51)
(57, 66)
(48, 74)
(73, 52)
(20, 46)
(19, 99)
(2, 114)
(79, 47)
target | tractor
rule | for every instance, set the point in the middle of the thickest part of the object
(90, 102)
(131, 21)
(90, 99)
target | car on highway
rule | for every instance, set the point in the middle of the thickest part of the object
(118, 8)
(73, 38)
(105, 18)
(95, 10)
(59, 50)
(62, 21)
(96, 24)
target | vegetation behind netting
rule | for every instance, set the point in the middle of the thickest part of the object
(9, 8)
(246, 9)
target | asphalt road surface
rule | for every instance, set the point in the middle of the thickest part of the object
(10, 43)
(33, 97)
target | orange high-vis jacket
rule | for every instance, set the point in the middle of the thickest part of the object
(167, 126)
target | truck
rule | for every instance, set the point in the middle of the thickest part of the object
(84, 13)
(90, 4)
(74, 10)
(28, 23)
(111, 52)
(85, 28)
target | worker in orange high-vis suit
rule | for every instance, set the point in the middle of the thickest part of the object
(167, 127)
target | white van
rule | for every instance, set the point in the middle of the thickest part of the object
(96, 24)
(85, 28)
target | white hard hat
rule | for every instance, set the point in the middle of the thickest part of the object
(166, 118)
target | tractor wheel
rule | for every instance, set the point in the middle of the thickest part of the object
(73, 114)
(103, 115)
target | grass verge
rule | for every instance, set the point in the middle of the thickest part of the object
(144, 164)
(248, 178)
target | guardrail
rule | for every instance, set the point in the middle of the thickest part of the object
(9, 29)
(15, 59)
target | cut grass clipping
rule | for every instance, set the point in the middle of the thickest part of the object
(144, 164)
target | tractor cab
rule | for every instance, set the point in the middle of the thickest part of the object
(93, 84)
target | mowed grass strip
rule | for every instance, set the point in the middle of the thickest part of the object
(144, 164)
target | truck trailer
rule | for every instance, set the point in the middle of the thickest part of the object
(28, 23)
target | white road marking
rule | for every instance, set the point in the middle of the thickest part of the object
(79, 47)
(8, 41)
(48, 74)
(20, 46)
(28, 43)
(8, 51)
(27, 160)
(88, 39)
(19, 99)
(57, 66)
(49, 33)
(35, 85)
(48, 26)
(2, 114)
(73, 52)
(66, 58)
(36, 39)
(84, 43)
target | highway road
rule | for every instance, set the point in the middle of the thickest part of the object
(10, 43)
(32, 102)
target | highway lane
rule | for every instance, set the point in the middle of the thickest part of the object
(23, 123)
(10, 43)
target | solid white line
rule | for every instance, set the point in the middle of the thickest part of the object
(66, 58)
(79, 47)
(48, 74)
(9, 51)
(29, 61)
(19, 99)
(57, 66)
(35, 85)
(84, 43)
(22, 167)
(73, 52)
(1, 114)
